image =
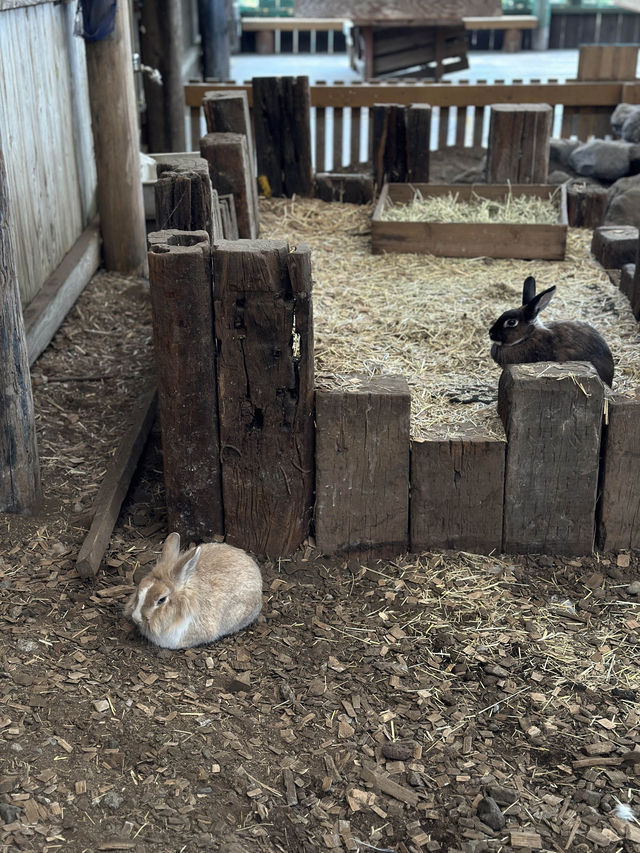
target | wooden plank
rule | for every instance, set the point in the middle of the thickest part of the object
(20, 488)
(615, 245)
(607, 62)
(518, 149)
(281, 120)
(457, 490)
(264, 335)
(389, 155)
(338, 136)
(182, 312)
(443, 127)
(231, 172)
(619, 510)
(418, 135)
(552, 415)
(115, 485)
(321, 124)
(184, 196)
(354, 141)
(586, 204)
(43, 316)
(292, 24)
(391, 10)
(362, 467)
(228, 112)
(478, 126)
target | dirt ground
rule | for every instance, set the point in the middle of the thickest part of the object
(437, 702)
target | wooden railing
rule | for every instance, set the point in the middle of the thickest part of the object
(340, 112)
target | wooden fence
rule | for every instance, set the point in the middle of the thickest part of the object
(341, 128)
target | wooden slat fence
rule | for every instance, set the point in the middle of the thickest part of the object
(341, 128)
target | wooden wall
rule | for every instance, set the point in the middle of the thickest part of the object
(45, 135)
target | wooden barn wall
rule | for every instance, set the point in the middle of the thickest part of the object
(45, 135)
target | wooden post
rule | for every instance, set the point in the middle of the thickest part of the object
(608, 62)
(161, 47)
(230, 171)
(418, 122)
(457, 490)
(620, 501)
(362, 467)
(114, 120)
(634, 290)
(553, 418)
(184, 197)
(615, 245)
(281, 119)
(182, 309)
(20, 490)
(214, 34)
(519, 137)
(400, 140)
(264, 335)
(586, 204)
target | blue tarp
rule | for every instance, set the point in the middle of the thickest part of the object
(95, 19)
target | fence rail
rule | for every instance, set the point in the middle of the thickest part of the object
(341, 128)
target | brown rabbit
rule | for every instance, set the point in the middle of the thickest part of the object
(196, 597)
(519, 336)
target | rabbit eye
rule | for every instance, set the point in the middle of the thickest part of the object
(511, 322)
(161, 600)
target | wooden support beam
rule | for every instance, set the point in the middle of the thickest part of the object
(43, 316)
(607, 62)
(586, 204)
(281, 119)
(182, 310)
(231, 172)
(214, 18)
(619, 508)
(615, 245)
(518, 151)
(183, 197)
(264, 337)
(457, 490)
(115, 485)
(552, 415)
(362, 467)
(20, 489)
(114, 120)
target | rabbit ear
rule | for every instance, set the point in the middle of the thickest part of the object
(533, 308)
(183, 572)
(528, 289)
(171, 548)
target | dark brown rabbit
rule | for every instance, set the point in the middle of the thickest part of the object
(520, 337)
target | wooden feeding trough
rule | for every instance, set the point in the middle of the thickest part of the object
(470, 239)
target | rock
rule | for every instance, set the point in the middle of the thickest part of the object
(618, 117)
(558, 177)
(9, 813)
(599, 158)
(634, 160)
(634, 588)
(489, 813)
(503, 796)
(623, 202)
(112, 800)
(631, 127)
(560, 150)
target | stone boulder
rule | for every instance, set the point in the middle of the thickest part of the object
(623, 202)
(602, 159)
(560, 150)
(620, 115)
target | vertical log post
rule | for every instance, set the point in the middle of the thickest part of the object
(182, 307)
(281, 118)
(184, 197)
(418, 121)
(518, 149)
(114, 121)
(362, 467)
(619, 509)
(214, 33)
(20, 490)
(400, 140)
(230, 171)
(161, 46)
(553, 419)
(457, 490)
(264, 335)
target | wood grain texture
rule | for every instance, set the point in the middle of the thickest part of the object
(391, 10)
(457, 490)
(552, 415)
(182, 311)
(362, 467)
(115, 485)
(586, 204)
(264, 335)
(231, 172)
(281, 120)
(607, 62)
(184, 197)
(20, 490)
(615, 245)
(518, 149)
(619, 511)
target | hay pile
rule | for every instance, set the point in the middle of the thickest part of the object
(427, 317)
(451, 208)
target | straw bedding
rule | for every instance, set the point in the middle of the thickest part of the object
(427, 317)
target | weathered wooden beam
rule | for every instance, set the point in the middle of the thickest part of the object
(114, 121)
(20, 489)
(115, 485)
(518, 149)
(264, 336)
(457, 490)
(183, 197)
(619, 509)
(615, 245)
(182, 310)
(43, 316)
(362, 467)
(231, 172)
(586, 204)
(552, 415)
(342, 187)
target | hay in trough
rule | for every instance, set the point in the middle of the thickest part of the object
(451, 208)
(428, 317)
